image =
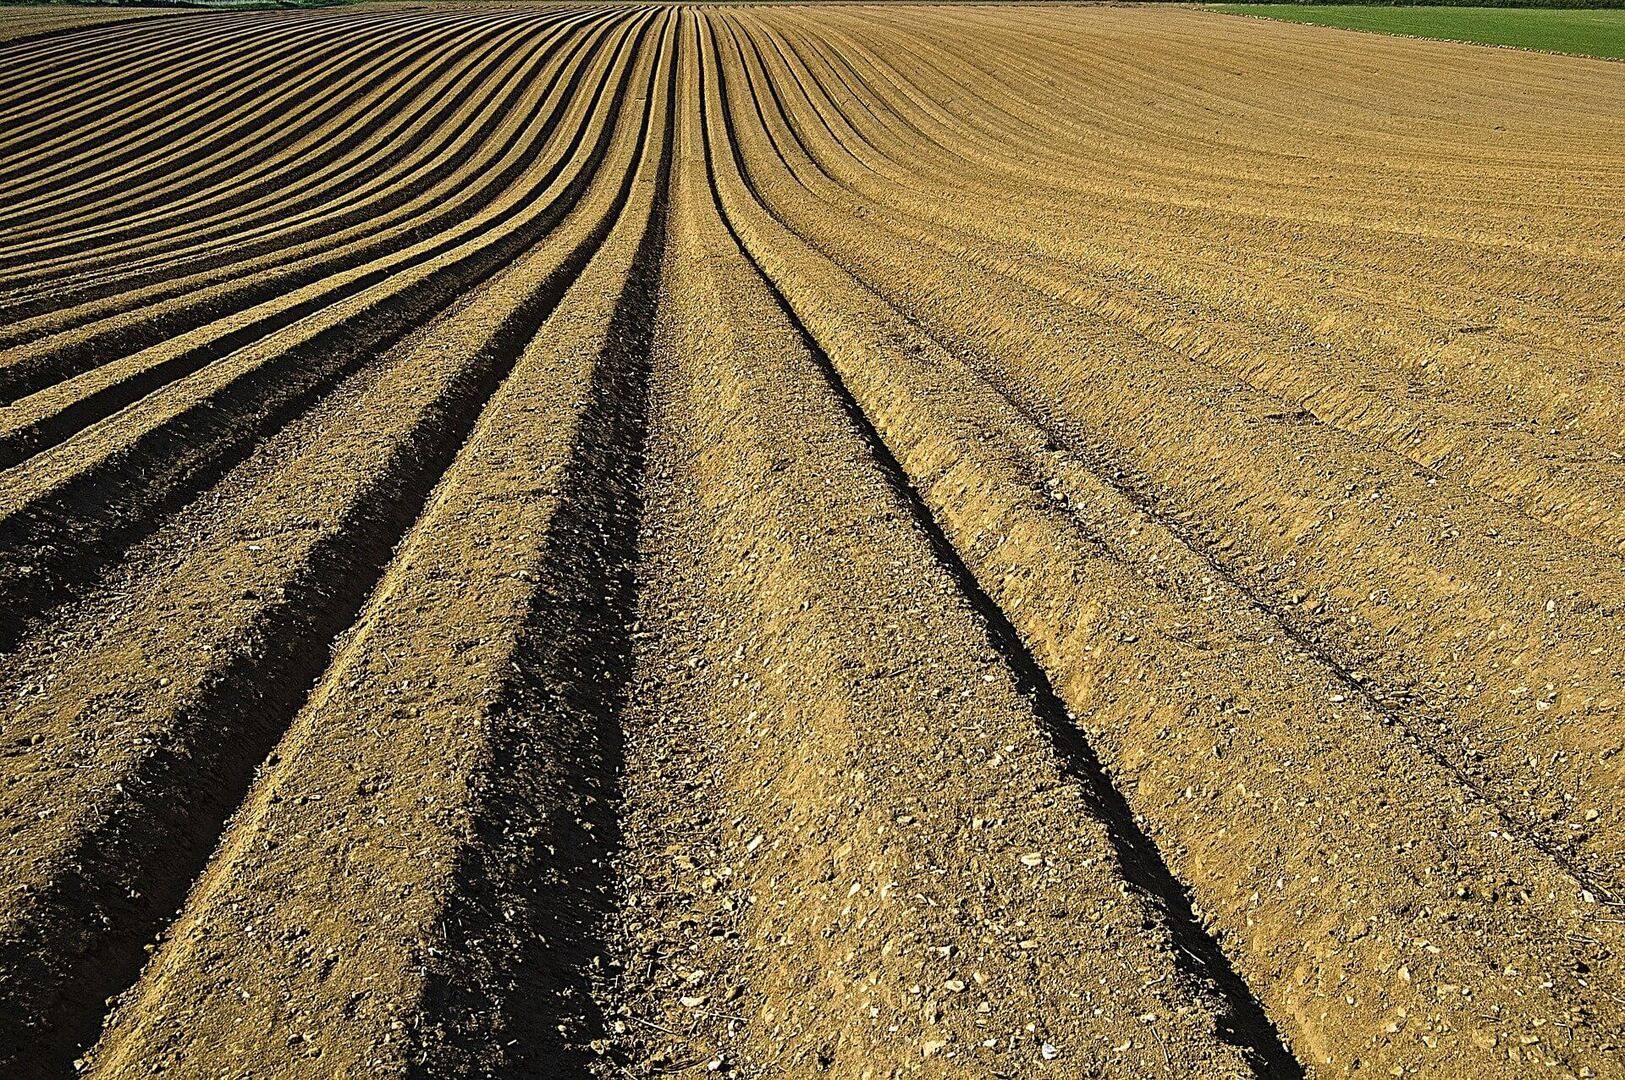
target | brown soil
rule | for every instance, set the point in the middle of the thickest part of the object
(29, 25)
(949, 541)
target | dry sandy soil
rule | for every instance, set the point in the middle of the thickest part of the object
(791, 541)
(18, 23)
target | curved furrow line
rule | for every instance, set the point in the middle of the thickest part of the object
(1271, 174)
(39, 29)
(1433, 242)
(150, 801)
(370, 154)
(1018, 270)
(354, 153)
(1425, 68)
(227, 141)
(78, 216)
(1399, 670)
(420, 176)
(1450, 198)
(553, 465)
(1378, 588)
(70, 510)
(58, 44)
(807, 540)
(65, 61)
(1587, 503)
(849, 59)
(1000, 91)
(781, 460)
(949, 124)
(1574, 373)
(1554, 371)
(1270, 842)
(1447, 278)
(87, 58)
(1100, 181)
(283, 285)
(1568, 489)
(148, 105)
(773, 250)
(1329, 114)
(999, 114)
(186, 146)
(987, 134)
(944, 132)
(152, 63)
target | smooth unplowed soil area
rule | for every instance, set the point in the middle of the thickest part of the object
(782, 541)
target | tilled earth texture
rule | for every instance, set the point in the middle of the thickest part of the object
(790, 541)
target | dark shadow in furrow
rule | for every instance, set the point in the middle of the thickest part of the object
(535, 889)
(780, 44)
(30, 41)
(61, 94)
(265, 172)
(24, 61)
(17, 382)
(1244, 1023)
(130, 878)
(115, 46)
(41, 78)
(53, 549)
(1118, 477)
(103, 204)
(96, 180)
(1133, 487)
(69, 78)
(110, 251)
(828, 53)
(156, 105)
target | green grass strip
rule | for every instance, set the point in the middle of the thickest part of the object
(1599, 33)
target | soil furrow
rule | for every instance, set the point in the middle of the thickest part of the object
(57, 141)
(412, 983)
(1522, 272)
(1082, 614)
(1364, 257)
(247, 123)
(99, 882)
(1244, 1020)
(1137, 854)
(70, 510)
(1239, 524)
(377, 164)
(819, 539)
(82, 51)
(1580, 492)
(774, 556)
(38, 32)
(50, 91)
(1516, 818)
(504, 151)
(277, 163)
(191, 76)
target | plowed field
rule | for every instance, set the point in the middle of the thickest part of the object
(868, 541)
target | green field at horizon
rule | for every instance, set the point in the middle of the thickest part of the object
(1581, 32)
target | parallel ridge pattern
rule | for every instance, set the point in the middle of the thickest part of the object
(631, 539)
(26, 23)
